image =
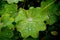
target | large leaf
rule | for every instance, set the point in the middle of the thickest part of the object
(30, 22)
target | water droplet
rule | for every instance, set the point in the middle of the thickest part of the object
(30, 19)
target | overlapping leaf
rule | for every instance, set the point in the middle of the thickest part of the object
(6, 33)
(50, 8)
(8, 13)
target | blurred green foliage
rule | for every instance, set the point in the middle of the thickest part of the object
(27, 22)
